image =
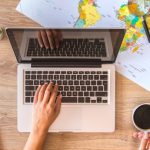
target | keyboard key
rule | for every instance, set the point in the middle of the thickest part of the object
(103, 77)
(87, 82)
(73, 77)
(76, 82)
(29, 88)
(63, 93)
(39, 77)
(51, 72)
(87, 99)
(27, 99)
(96, 77)
(89, 88)
(32, 99)
(75, 72)
(62, 77)
(81, 99)
(68, 93)
(79, 77)
(66, 88)
(59, 82)
(83, 88)
(69, 100)
(99, 82)
(77, 88)
(74, 93)
(93, 82)
(27, 72)
(99, 100)
(36, 82)
(101, 94)
(29, 82)
(63, 72)
(86, 93)
(93, 101)
(81, 82)
(84, 77)
(80, 94)
(91, 93)
(27, 76)
(105, 101)
(64, 82)
(57, 72)
(28, 94)
(60, 88)
(90, 77)
(100, 88)
(45, 72)
(105, 72)
(94, 88)
(33, 76)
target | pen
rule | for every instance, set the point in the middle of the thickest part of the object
(146, 28)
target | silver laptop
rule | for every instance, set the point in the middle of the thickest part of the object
(82, 65)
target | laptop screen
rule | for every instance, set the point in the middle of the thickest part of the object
(102, 44)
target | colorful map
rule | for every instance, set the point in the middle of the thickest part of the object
(134, 27)
(89, 15)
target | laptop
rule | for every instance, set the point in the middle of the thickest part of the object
(82, 65)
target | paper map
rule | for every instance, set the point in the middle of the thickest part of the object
(133, 59)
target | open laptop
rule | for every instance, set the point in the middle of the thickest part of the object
(83, 66)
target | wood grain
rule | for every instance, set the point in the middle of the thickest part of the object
(128, 95)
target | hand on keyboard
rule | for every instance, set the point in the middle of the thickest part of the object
(46, 107)
(49, 38)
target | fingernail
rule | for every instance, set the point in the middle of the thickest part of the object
(41, 46)
(60, 95)
(146, 136)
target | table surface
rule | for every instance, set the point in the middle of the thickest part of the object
(128, 95)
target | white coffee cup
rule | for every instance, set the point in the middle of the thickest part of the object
(146, 109)
(135, 110)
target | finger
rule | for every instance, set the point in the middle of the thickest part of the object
(143, 142)
(140, 135)
(135, 135)
(42, 92)
(58, 104)
(36, 94)
(50, 38)
(45, 39)
(148, 145)
(40, 39)
(47, 94)
(53, 96)
(56, 38)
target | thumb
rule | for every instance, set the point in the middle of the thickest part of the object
(144, 142)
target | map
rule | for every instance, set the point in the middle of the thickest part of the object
(76, 13)
(133, 59)
(88, 14)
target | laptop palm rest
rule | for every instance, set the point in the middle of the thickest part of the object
(69, 119)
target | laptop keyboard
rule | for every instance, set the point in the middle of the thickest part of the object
(70, 47)
(75, 86)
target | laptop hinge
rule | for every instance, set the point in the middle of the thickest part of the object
(66, 63)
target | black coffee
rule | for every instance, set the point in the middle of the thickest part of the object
(142, 117)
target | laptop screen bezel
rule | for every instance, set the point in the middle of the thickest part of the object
(9, 32)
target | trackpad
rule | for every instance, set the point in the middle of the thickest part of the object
(69, 119)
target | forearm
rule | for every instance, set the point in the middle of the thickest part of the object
(35, 141)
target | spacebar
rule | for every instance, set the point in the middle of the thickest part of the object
(69, 100)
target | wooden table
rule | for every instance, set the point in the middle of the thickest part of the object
(128, 95)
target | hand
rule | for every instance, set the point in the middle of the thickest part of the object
(49, 38)
(145, 140)
(46, 107)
